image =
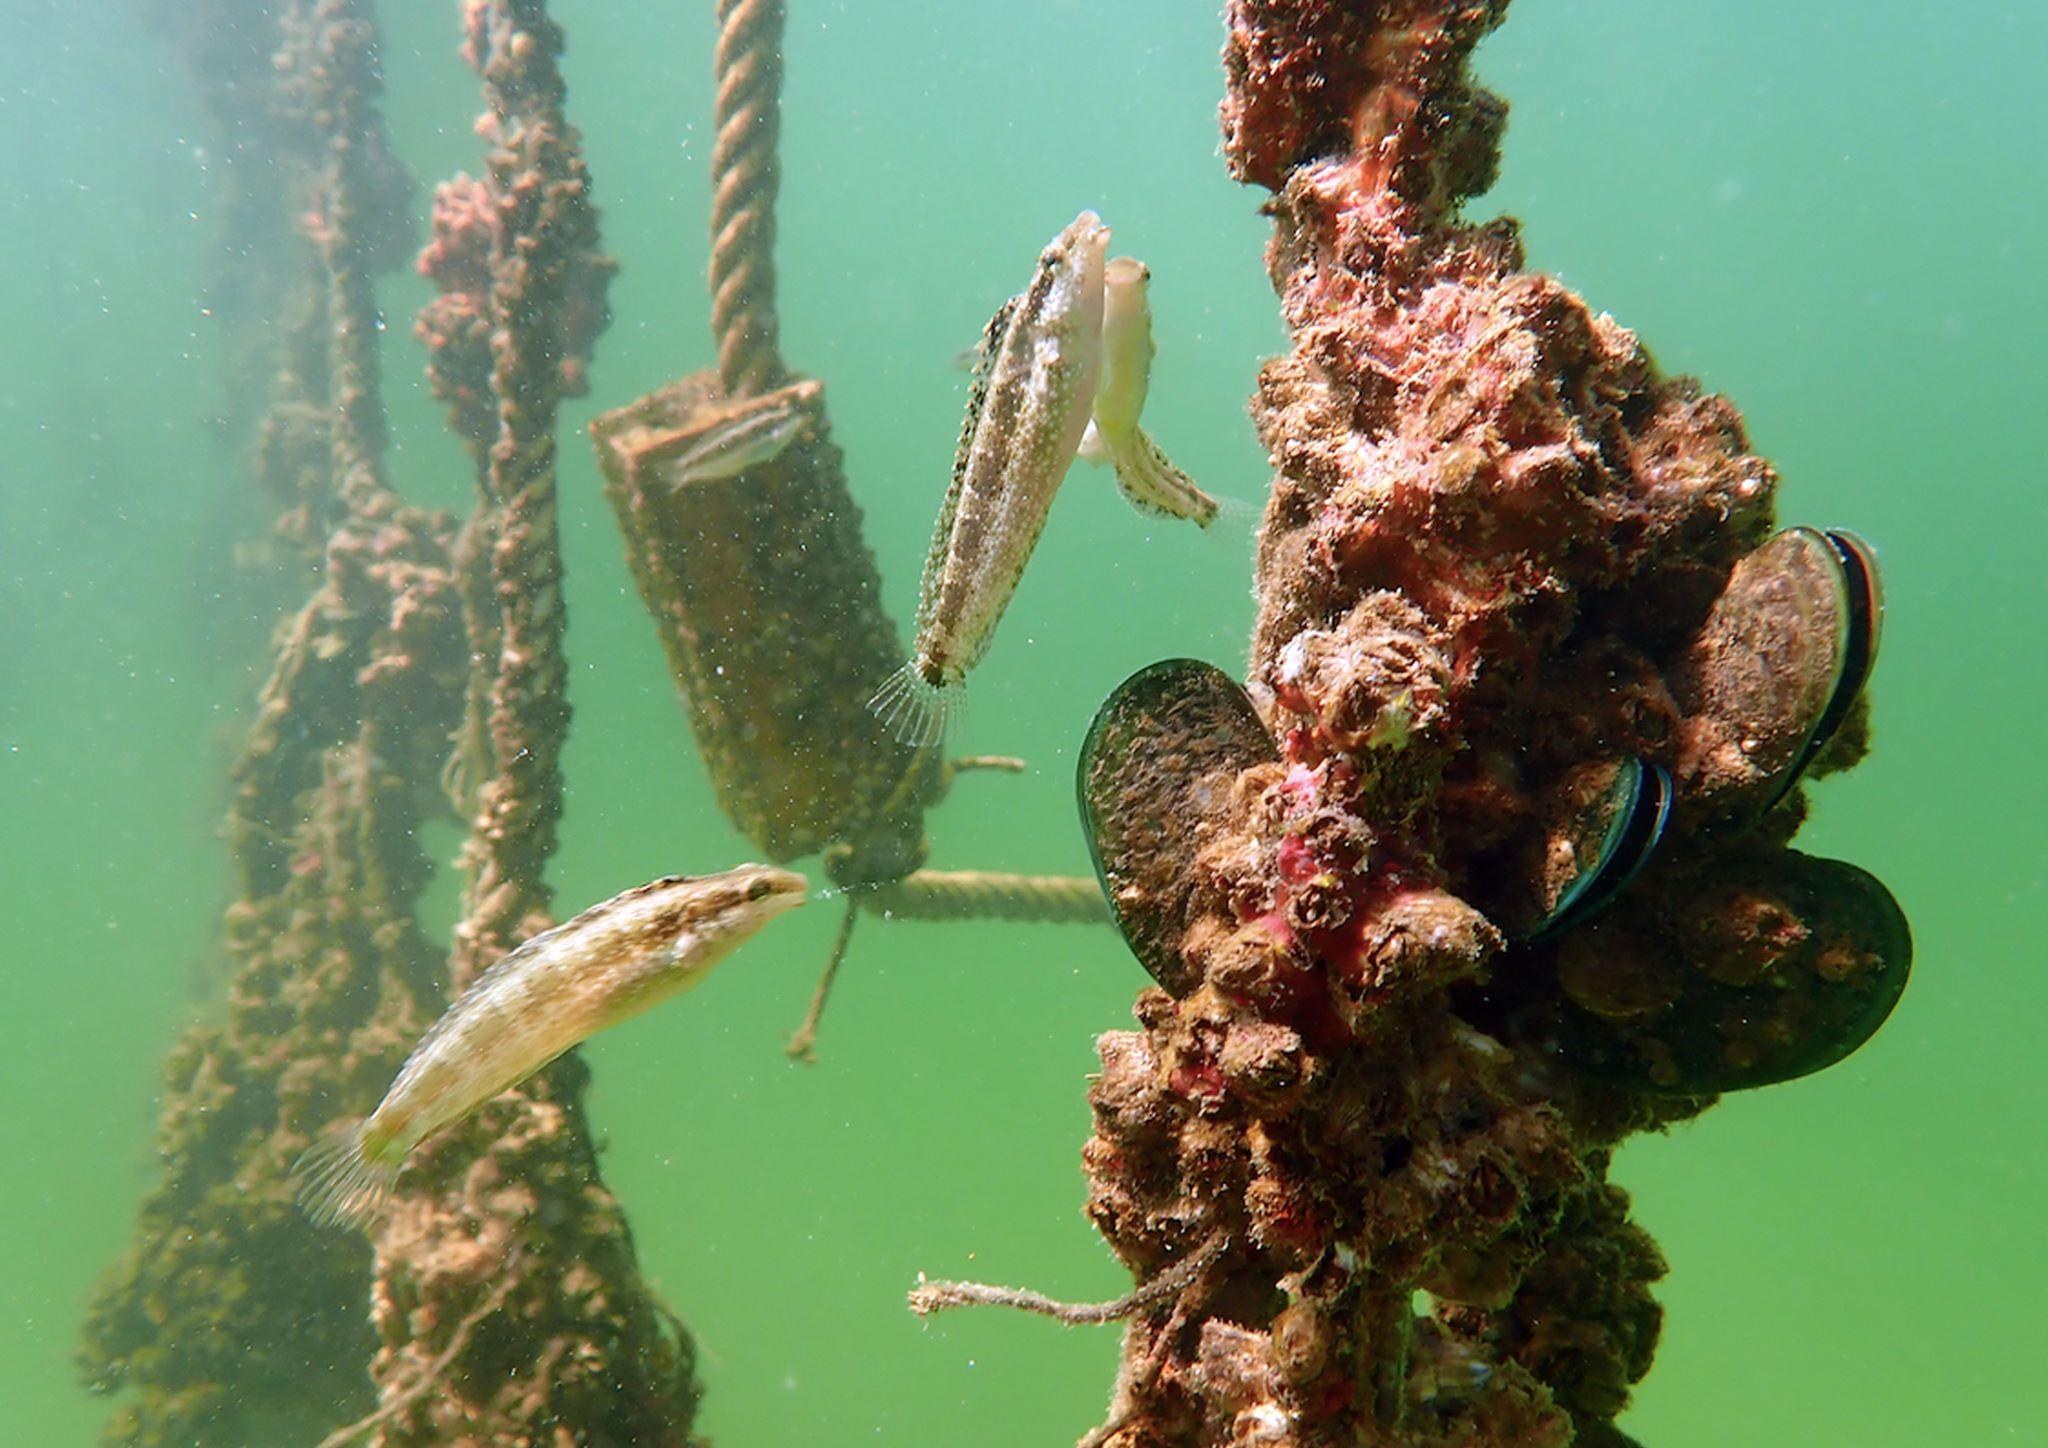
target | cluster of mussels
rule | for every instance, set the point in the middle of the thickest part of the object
(1789, 962)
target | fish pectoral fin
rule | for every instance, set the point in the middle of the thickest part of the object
(919, 713)
(1152, 484)
(1093, 449)
(338, 1183)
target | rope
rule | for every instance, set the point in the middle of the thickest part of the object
(745, 175)
(991, 895)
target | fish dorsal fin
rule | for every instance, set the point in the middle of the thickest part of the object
(977, 394)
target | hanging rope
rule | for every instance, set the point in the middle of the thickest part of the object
(744, 177)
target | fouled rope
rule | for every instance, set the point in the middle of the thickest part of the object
(745, 175)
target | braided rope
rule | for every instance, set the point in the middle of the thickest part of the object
(991, 895)
(745, 176)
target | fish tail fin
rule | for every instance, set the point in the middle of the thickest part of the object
(1238, 512)
(1152, 484)
(914, 709)
(336, 1183)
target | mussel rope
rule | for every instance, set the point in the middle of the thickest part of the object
(745, 175)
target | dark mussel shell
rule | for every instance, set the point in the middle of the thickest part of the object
(1774, 966)
(1155, 769)
(1862, 627)
(1606, 822)
(1780, 661)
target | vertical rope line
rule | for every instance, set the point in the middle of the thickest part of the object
(347, 43)
(745, 175)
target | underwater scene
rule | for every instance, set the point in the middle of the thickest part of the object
(1095, 721)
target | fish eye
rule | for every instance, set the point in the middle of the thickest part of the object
(760, 890)
(1049, 259)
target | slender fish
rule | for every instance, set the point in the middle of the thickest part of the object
(755, 433)
(1147, 479)
(1060, 369)
(611, 962)
(1034, 382)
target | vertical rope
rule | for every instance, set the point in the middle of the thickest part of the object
(745, 175)
(547, 286)
(356, 426)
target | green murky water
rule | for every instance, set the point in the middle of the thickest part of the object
(1832, 213)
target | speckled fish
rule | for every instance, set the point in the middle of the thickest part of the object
(1144, 474)
(755, 432)
(611, 962)
(1034, 383)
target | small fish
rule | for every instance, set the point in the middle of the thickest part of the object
(1145, 476)
(755, 432)
(611, 962)
(1034, 383)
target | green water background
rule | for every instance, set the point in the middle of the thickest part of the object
(1832, 213)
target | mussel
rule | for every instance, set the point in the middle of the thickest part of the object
(1773, 966)
(1610, 820)
(1776, 668)
(1861, 624)
(1154, 777)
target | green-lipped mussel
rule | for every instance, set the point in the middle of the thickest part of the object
(1154, 777)
(1775, 670)
(1861, 626)
(1777, 966)
(1613, 818)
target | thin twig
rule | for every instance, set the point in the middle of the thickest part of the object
(1006, 763)
(431, 1378)
(929, 1297)
(803, 1045)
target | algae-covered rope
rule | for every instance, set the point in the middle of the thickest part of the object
(744, 177)
(991, 895)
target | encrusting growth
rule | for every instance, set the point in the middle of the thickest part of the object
(1465, 887)
(206, 1338)
(523, 301)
